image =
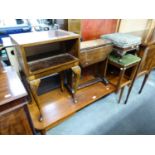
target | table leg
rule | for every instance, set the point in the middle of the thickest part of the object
(34, 87)
(77, 74)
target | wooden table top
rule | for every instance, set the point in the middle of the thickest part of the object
(11, 87)
(35, 38)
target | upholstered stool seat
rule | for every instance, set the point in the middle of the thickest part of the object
(127, 61)
(123, 42)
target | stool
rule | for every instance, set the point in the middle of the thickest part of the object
(127, 61)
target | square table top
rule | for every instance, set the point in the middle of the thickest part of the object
(35, 38)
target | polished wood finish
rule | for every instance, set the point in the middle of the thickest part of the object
(53, 62)
(34, 38)
(47, 53)
(15, 123)
(14, 114)
(91, 54)
(60, 106)
(44, 44)
(11, 86)
(94, 51)
(77, 73)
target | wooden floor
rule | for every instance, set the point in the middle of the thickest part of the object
(57, 105)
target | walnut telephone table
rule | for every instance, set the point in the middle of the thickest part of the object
(42, 54)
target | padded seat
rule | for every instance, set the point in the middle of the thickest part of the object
(123, 40)
(125, 61)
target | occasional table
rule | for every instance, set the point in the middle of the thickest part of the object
(42, 54)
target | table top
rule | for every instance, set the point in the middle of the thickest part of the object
(11, 87)
(34, 38)
(94, 43)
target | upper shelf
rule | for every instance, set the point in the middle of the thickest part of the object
(35, 38)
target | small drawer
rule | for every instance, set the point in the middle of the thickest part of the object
(94, 55)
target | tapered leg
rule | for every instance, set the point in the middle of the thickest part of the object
(34, 87)
(121, 93)
(77, 73)
(144, 82)
(133, 72)
(132, 83)
(120, 79)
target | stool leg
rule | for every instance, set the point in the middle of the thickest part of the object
(144, 82)
(77, 73)
(120, 79)
(121, 93)
(34, 87)
(132, 82)
(133, 72)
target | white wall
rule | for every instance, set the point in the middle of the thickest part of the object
(131, 25)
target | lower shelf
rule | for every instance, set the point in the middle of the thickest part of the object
(57, 105)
